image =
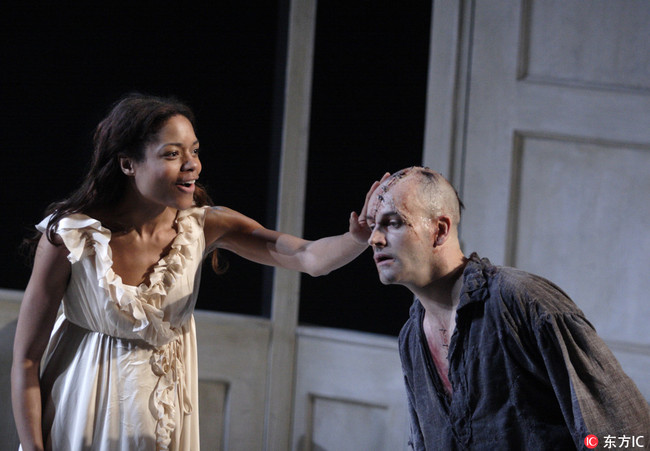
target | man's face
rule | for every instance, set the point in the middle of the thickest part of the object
(402, 235)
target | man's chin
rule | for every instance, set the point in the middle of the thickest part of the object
(386, 279)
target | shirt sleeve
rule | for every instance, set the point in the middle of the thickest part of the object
(595, 395)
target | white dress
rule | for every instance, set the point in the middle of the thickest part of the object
(120, 370)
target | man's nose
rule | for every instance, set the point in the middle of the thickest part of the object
(377, 238)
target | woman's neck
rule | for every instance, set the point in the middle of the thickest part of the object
(142, 219)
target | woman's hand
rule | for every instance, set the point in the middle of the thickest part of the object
(358, 225)
(227, 229)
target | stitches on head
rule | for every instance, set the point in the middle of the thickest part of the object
(437, 196)
(386, 186)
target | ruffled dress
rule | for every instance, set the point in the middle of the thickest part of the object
(120, 370)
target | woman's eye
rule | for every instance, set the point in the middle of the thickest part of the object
(197, 151)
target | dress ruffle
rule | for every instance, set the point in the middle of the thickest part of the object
(167, 363)
(85, 237)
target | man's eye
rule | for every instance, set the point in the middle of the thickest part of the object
(395, 223)
(197, 151)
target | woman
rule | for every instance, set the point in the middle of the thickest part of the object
(123, 254)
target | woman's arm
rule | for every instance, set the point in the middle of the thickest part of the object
(247, 238)
(37, 316)
(233, 231)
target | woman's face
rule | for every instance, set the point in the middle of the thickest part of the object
(170, 167)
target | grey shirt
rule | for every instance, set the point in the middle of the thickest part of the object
(527, 370)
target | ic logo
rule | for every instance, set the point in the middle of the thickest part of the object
(591, 441)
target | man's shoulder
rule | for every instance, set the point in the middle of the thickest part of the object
(483, 271)
(512, 287)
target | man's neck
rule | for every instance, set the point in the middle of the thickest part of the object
(439, 321)
(442, 295)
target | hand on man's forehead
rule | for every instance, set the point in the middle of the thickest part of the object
(386, 193)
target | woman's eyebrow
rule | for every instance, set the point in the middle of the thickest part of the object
(163, 145)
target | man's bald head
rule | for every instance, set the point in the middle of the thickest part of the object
(430, 190)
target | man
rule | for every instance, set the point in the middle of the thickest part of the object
(494, 358)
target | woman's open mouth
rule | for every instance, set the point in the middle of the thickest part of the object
(186, 185)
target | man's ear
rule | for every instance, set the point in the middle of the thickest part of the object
(443, 230)
(126, 164)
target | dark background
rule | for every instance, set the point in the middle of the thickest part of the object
(63, 67)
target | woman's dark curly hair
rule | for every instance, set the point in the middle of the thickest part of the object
(131, 124)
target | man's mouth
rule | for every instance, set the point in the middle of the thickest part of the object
(381, 258)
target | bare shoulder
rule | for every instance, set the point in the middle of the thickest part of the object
(222, 218)
(51, 266)
(54, 249)
(220, 222)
